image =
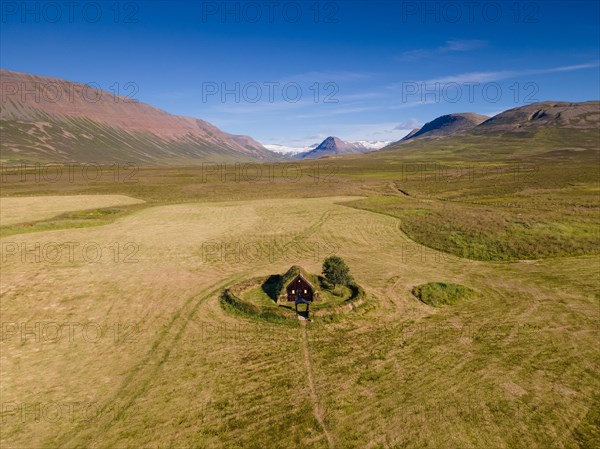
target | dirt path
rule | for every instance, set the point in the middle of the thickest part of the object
(318, 410)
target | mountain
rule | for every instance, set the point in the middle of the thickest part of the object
(53, 120)
(547, 114)
(410, 134)
(334, 145)
(372, 145)
(447, 125)
(548, 124)
(289, 150)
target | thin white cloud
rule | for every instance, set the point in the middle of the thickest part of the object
(362, 96)
(473, 77)
(463, 45)
(333, 76)
(409, 124)
(486, 77)
(451, 46)
(341, 111)
(377, 107)
(262, 106)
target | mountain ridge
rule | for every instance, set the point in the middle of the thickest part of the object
(55, 119)
(544, 114)
(447, 125)
(530, 117)
(47, 119)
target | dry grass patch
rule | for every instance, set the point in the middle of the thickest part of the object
(28, 209)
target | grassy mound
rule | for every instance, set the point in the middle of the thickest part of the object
(438, 294)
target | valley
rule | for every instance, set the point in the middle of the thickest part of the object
(148, 356)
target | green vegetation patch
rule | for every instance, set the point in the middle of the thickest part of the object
(71, 220)
(540, 225)
(439, 294)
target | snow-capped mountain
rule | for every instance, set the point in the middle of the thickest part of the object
(335, 145)
(285, 149)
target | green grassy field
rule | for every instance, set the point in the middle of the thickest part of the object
(148, 357)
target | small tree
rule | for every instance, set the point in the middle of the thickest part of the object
(336, 271)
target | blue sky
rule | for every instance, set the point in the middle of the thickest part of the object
(297, 72)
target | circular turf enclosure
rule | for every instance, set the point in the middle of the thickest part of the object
(266, 297)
